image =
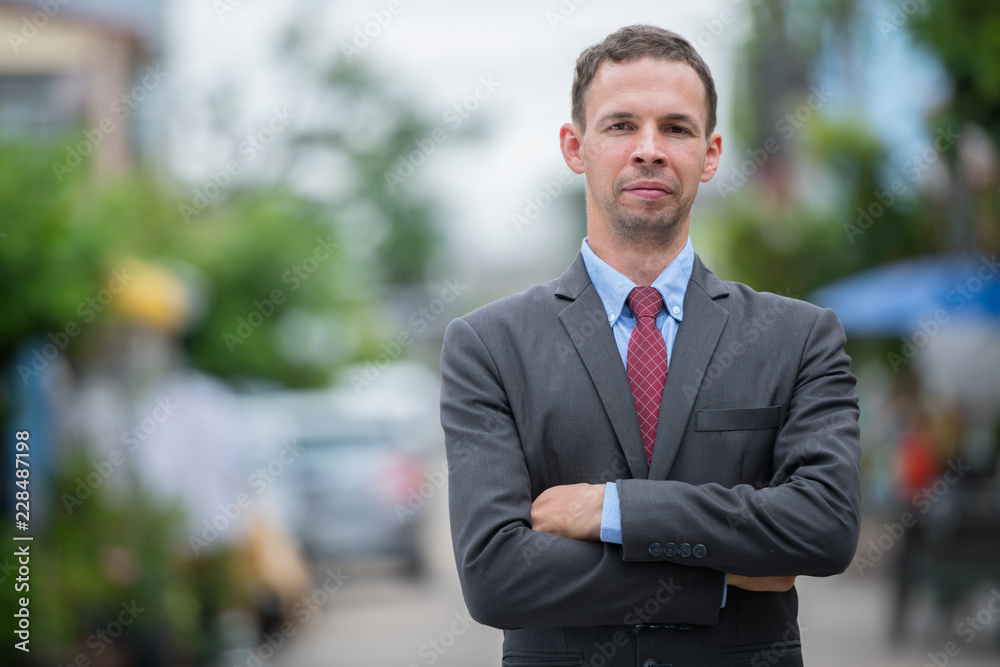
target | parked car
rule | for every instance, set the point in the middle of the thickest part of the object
(355, 476)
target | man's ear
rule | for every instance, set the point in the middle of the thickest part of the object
(570, 141)
(712, 157)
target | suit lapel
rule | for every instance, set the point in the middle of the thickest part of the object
(587, 325)
(697, 336)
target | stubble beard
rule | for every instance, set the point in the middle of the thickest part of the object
(649, 227)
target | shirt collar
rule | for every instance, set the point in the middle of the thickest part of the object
(614, 288)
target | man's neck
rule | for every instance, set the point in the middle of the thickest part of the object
(641, 263)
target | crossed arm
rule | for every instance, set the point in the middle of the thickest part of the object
(574, 511)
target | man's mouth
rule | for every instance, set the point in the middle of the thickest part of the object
(649, 190)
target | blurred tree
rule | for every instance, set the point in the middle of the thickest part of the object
(48, 264)
(818, 206)
(965, 36)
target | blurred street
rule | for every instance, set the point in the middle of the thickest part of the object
(234, 234)
(377, 621)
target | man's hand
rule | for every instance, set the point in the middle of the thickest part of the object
(570, 510)
(761, 584)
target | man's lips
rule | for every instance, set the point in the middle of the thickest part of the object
(648, 190)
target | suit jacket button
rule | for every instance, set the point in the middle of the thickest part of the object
(649, 662)
(670, 550)
(684, 550)
(700, 551)
(655, 549)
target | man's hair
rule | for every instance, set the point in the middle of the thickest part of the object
(633, 43)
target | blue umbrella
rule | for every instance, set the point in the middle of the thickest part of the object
(907, 296)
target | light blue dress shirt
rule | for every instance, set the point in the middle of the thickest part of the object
(614, 288)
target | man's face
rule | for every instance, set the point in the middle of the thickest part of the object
(644, 149)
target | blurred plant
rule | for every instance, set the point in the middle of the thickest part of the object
(108, 581)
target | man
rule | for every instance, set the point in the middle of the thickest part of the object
(643, 456)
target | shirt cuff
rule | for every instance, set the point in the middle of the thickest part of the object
(611, 515)
(725, 589)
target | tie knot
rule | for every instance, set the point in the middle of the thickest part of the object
(645, 301)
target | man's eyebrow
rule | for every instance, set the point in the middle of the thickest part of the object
(671, 117)
(682, 118)
(616, 115)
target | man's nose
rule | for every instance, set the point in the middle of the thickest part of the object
(649, 149)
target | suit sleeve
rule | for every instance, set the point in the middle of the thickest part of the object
(807, 521)
(511, 575)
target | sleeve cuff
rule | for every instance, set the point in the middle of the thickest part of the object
(611, 516)
(725, 589)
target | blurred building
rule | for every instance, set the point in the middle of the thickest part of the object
(80, 73)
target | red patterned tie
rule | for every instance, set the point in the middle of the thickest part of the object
(647, 362)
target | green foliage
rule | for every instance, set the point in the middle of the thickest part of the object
(799, 247)
(117, 547)
(965, 35)
(48, 264)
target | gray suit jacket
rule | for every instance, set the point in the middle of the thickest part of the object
(759, 394)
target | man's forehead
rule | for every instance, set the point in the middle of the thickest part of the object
(647, 74)
(676, 82)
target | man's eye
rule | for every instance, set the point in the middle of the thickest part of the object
(619, 126)
(676, 129)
